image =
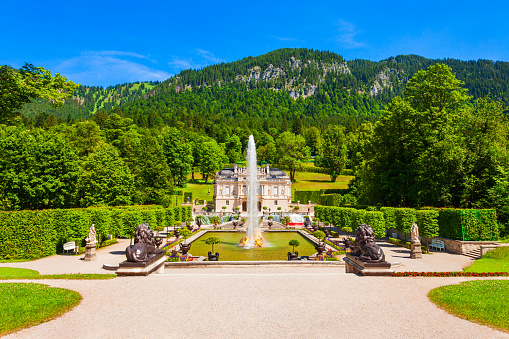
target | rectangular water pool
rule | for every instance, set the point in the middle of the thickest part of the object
(275, 246)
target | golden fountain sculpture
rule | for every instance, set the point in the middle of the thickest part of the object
(258, 241)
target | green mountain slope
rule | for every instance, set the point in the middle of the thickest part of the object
(319, 87)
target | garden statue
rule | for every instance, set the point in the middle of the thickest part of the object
(145, 246)
(415, 233)
(415, 247)
(90, 246)
(364, 246)
(91, 235)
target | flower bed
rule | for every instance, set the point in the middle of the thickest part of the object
(450, 274)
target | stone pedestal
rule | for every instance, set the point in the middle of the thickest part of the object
(154, 265)
(354, 265)
(90, 253)
(415, 250)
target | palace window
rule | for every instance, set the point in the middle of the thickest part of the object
(275, 202)
(275, 190)
(227, 202)
(227, 191)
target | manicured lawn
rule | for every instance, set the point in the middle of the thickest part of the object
(23, 273)
(25, 305)
(307, 181)
(493, 261)
(200, 189)
(276, 246)
(485, 302)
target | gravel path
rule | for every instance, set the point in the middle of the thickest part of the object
(289, 302)
(254, 302)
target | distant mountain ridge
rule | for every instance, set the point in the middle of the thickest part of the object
(358, 87)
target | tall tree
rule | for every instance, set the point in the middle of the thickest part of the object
(179, 155)
(38, 169)
(211, 158)
(291, 151)
(105, 180)
(17, 87)
(233, 148)
(333, 152)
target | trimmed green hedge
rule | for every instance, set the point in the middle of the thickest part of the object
(337, 200)
(314, 196)
(350, 217)
(468, 225)
(35, 234)
(458, 224)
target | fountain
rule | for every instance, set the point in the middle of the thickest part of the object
(253, 236)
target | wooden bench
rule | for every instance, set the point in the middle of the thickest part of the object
(71, 246)
(437, 244)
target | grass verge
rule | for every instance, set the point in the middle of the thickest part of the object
(496, 260)
(27, 304)
(485, 302)
(23, 273)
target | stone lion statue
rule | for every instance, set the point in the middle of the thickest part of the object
(145, 246)
(364, 246)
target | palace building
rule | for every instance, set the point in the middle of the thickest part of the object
(230, 189)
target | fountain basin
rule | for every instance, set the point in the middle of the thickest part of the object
(275, 247)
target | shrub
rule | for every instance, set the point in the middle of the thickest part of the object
(294, 243)
(212, 241)
(36, 234)
(319, 234)
(468, 224)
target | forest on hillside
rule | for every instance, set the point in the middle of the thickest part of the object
(436, 144)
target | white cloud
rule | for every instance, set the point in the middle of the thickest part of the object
(206, 58)
(209, 56)
(108, 68)
(181, 63)
(285, 39)
(347, 33)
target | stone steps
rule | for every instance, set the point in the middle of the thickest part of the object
(474, 254)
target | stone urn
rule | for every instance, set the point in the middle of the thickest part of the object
(176, 233)
(190, 227)
(270, 224)
(184, 248)
(320, 247)
(327, 233)
(315, 228)
(213, 256)
(293, 256)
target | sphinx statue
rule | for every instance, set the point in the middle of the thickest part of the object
(145, 246)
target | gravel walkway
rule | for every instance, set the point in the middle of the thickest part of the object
(257, 302)
(254, 302)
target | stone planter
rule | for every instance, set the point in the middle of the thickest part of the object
(320, 248)
(293, 256)
(213, 256)
(189, 227)
(184, 248)
(176, 233)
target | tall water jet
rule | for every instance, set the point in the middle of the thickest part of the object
(253, 229)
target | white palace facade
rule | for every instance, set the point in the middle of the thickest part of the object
(230, 189)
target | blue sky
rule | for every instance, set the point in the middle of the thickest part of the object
(110, 42)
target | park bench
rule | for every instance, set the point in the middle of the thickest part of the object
(437, 244)
(70, 246)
